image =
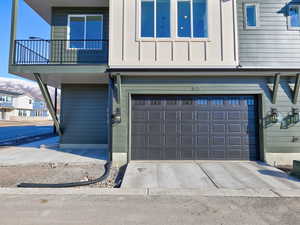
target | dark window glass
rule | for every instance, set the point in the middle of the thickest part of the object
(163, 22)
(184, 18)
(147, 18)
(294, 16)
(94, 32)
(77, 32)
(251, 15)
(200, 25)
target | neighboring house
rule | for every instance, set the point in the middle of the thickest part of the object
(181, 79)
(15, 106)
(40, 110)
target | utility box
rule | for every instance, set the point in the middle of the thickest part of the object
(296, 168)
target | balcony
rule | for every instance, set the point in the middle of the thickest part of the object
(61, 52)
(6, 105)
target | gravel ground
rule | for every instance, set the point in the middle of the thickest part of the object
(53, 173)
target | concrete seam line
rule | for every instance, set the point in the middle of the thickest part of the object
(276, 193)
(204, 171)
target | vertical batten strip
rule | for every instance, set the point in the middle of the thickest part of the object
(123, 32)
(205, 51)
(234, 30)
(221, 30)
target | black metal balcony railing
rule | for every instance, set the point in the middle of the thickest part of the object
(28, 52)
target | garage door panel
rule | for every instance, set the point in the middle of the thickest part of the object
(202, 127)
(139, 116)
(171, 116)
(154, 153)
(235, 115)
(219, 116)
(202, 116)
(155, 116)
(201, 154)
(217, 154)
(171, 128)
(235, 140)
(234, 128)
(187, 141)
(187, 128)
(140, 141)
(171, 140)
(194, 127)
(203, 140)
(187, 153)
(218, 128)
(139, 128)
(155, 140)
(171, 154)
(187, 116)
(155, 128)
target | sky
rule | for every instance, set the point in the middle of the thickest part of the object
(29, 24)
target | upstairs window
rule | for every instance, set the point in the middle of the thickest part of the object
(294, 17)
(251, 15)
(192, 18)
(85, 31)
(155, 18)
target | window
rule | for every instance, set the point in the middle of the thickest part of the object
(85, 31)
(294, 17)
(155, 18)
(251, 15)
(192, 18)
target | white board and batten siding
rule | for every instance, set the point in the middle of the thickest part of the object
(129, 51)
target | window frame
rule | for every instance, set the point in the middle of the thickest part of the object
(85, 23)
(257, 18)
(290, 27)
(173, 25)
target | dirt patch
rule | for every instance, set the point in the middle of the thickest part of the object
(48, 174)
(59, 173)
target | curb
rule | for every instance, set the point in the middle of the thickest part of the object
(262, 193)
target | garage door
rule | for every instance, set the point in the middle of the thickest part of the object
(194, 128)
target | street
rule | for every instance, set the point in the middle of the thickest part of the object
(146, 210)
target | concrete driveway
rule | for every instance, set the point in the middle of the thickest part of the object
(207, 175)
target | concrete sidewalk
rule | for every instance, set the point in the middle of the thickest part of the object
(35, 153)
(206, 175)
(86, 209)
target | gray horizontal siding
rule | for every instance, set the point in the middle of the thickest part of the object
(59, 32)
(272, 44)
(84, 114)
(276, 139)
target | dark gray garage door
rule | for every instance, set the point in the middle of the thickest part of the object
(194, 128)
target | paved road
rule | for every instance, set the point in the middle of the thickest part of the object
(207, 175)
(146, 210)
(12, 130)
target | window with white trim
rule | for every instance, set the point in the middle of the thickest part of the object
(155, 18)
(85, 31)
(192, 19)
(251, 15)
(294, 16)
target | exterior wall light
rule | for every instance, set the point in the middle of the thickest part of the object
(294, 115)
(274, 115)
(116, 117)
